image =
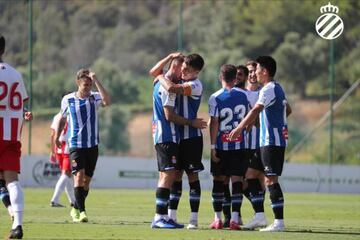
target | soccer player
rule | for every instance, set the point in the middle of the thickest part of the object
(241, 77)
(61, 155)
(191, 140)
(227, 107)
(166, 137)
(12, 112)
(81, 108)
(254, 174)
(273, 109)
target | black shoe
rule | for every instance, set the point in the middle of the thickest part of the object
(226, 223)
(54, 204)
(16, 233)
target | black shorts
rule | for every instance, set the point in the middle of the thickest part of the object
(232, 163)
(255, 160)
(190, 155)
(272, 158)
(167, 155)
(84, 158)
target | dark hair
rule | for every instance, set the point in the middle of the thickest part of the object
(268, 63)
(251, 63)
(195, 61)
(2, 44)
(244, 69)
(82, 73)
(177, 60)
(228, 72)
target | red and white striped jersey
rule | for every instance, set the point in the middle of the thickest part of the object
(12, 96)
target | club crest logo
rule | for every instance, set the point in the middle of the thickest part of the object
(329, 25)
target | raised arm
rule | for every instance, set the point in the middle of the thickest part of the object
(103, 93)
(172, 87)
(159, 66)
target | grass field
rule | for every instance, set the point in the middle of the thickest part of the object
(126, 214)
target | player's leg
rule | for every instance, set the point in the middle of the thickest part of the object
(10, 164)
(166, 158)
(69, 188)
(77, 157)
(60, 185)
(256, 191)
(227, 203)
(4, 195)
(194, 199)
(175, 195)
(275, 158)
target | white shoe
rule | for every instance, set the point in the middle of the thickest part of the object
(192, 226)
(256, 222)
(274, 228)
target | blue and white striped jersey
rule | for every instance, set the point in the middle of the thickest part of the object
(188, 106)
(163, 130)
(254, 134)
(230, 106)
(273, 117)
(82, 119)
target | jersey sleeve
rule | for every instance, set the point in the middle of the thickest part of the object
(55, 122)
(266, 97)
(213, 109)
(168, 99)
(64, 106)
(192, 88)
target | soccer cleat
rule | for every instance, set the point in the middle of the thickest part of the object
(162, 223)
(75, 214)
(16, 233)
(177, 225)
(234, 225)
(54, 204)
(256, 222)
(192, 225)
(226, 223)
(83, 217)
(216, 224)
(274, 228)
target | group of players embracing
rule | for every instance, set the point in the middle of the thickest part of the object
(248, 134)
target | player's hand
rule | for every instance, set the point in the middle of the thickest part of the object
(214, 157)
(92, 75)
(235, 133)
(28, 116)
(58, 143)
(198, 123)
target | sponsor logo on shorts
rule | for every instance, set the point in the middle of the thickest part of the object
(173, 159)
(73, 163)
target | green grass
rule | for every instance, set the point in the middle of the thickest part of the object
(126, 214)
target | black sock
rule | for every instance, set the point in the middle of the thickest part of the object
(236, 197)
(277, 200)
(80, 199)
(194, 196)
(86, 193)
(246, 193)
(175, 195)
(162, 199)
(256, 194)
(217, 195)
(226, 205)
(4, 194)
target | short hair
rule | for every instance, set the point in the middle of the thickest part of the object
(83, 73)
(251, 63)
(177, 60)
(268, 63)
(244, 69)
(2, 44)
(195, 61)
(228, 72)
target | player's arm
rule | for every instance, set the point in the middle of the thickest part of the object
(183, 89)
(159, 66)
(59, 130)
(103, 93)
(249, 119)
(288, 109)
(214, 129)
(171, 116)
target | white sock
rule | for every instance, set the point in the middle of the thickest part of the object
(218, 215)
(172, 214)
(160, 216)
(17, 202)
(279, 222)
(10, 210)
(69, 189)
(59, 188)
(194, 217)
(235, 217)
(260, 215)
